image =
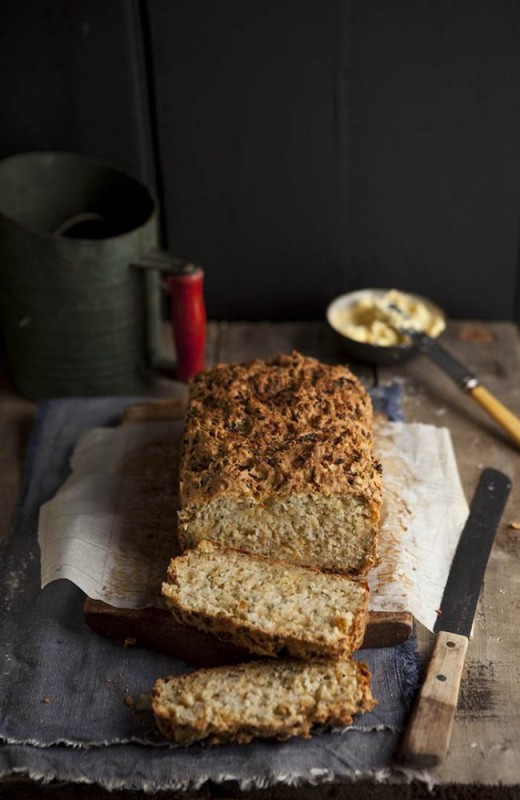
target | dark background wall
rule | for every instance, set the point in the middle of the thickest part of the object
(300, 148)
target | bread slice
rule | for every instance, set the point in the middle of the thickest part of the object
(266, 606)
(277, 459)
(267, 699)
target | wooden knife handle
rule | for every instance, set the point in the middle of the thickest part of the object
(499, 412)
(427, 737)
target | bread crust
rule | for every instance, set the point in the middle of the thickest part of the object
(290, 425)
(353, 696)
(226, 627)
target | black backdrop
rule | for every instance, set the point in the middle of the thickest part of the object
(300, 148)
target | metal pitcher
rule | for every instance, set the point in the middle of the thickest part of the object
(80, 277)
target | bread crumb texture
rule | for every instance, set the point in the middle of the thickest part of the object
(266, 699)
(266, 606)
(277, 459)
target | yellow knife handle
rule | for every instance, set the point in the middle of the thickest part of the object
(508, 421)
(428, 735)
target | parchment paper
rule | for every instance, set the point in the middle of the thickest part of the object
(110, 528)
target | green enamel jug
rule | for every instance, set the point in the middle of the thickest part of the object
(80, 279)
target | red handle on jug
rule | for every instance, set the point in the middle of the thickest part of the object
(188, 316)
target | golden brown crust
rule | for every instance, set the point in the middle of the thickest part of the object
(291, 426)
(348, 682)
(345, 626)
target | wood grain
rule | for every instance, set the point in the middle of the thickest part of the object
(348, 152)
(16, 417)
(156, 628)
(157, 410)
(429, 732)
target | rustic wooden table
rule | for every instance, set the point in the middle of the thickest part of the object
(484, 758)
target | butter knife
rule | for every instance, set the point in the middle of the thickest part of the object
(427, 737)
(465, 379)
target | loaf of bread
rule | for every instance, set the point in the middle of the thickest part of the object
(277, 459)
(265, 699)
(266, 606)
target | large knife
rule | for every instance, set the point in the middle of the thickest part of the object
(462, 376)
(428, 734)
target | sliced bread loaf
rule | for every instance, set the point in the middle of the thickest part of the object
(266, 699)
(266, 606)
(277, 459)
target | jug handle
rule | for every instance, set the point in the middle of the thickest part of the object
(183, 282)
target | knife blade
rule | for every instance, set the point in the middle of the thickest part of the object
(462, 376)
(427, 737)
(459, 373)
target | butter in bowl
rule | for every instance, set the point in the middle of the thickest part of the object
(361, 320)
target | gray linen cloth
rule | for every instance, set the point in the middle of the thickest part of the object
(64, 691)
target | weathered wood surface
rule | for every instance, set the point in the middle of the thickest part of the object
(156, 628)
(15, 424)
(427, 738)
(485, 743)
(317, 146)
(484, 757)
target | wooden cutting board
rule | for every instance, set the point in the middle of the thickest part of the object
(155, 628)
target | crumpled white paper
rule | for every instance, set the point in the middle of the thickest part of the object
(111, 526)
(424, 511)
